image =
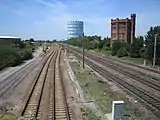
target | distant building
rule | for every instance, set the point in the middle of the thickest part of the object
(75, 29)
(123, 29)
(9, 40)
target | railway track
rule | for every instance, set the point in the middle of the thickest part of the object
(61, 111)
(124, 62)
(46, 106)
(151, 102)
(136, 75)
(127, 63)
(123, 65)
(131, 64)
(32, 105)
(141, 77)
(47, 100)
(13, 80)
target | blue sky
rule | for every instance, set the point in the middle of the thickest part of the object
(46, 19)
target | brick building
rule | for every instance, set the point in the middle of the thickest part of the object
(123, 29)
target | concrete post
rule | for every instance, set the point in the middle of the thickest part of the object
(118, 111)
(155, 47)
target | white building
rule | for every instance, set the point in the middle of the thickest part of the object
(9, 40)
(75, 29)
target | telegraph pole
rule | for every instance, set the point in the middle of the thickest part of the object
(68, 48)
(83, 49)
(155, 47)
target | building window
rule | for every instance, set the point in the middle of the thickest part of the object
(114, 28)
(121, 35)
(113, 35)
(122, 27)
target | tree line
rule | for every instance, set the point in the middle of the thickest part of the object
(142, 46)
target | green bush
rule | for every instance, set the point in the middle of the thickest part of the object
(142, 52)
(115, 47)
(12, 56)
(122, 52)
(2, 64)
(27, 55)
(33, 49)
(17, 59)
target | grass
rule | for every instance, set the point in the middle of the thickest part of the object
(89, 114)
(8, 116)
(130, 58)
(105, 52)
(94, 89)
(138, 61)
(101, 93)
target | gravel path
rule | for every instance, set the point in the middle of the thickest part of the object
(81, 99)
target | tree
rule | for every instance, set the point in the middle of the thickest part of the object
(107, 42)
(122, 52)
(125, 45)
(91, 42)
(48, 41)
(115, 47)
(136, 47)
(120, 48)
(149, 42)
(96, 43)
(54, 40)
(31, 40)
(88, 44)
(104, 44)
(21, 44)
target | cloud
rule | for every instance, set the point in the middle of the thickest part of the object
(47, 19)
(44, 3)
(55, 22)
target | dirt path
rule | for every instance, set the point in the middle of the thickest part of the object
(81, 95)
(71, 90)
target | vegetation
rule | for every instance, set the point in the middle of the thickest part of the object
(136, 47)
(91, 42)
(95, 89)
(7, 116)
(149, 41)
(120, 49)
(12, 56)
(142, 47)
(89, 114)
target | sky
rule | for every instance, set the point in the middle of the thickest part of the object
(47, 19)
